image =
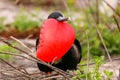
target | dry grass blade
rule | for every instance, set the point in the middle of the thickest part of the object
(21, 43)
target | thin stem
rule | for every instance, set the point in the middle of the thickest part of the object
(115, 19)
(88, 55)
(15, 39)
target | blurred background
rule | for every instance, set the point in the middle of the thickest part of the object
(91, 19)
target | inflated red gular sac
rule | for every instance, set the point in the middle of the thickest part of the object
(57, 44)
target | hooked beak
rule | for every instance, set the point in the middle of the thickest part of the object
(62, 19)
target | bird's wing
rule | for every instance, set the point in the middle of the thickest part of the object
(78, 49)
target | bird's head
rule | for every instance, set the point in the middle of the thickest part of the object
(58, 16)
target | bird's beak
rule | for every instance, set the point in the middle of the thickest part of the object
(62, 19)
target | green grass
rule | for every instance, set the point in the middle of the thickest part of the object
(6, 48)
(23, 22)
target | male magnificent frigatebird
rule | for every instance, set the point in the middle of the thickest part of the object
(50, 43)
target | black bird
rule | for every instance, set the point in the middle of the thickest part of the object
(70, 60)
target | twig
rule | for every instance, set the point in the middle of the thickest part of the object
(116, 22)
(47, 76)
(51, 77)
(21, 43)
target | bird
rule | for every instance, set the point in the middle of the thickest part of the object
(72, 57)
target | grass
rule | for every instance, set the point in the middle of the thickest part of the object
(6, 48)
(23, 22)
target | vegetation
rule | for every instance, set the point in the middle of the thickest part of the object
(93, 73)
(24, 22)
(6, 48)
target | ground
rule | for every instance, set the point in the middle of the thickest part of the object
(8, 73)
